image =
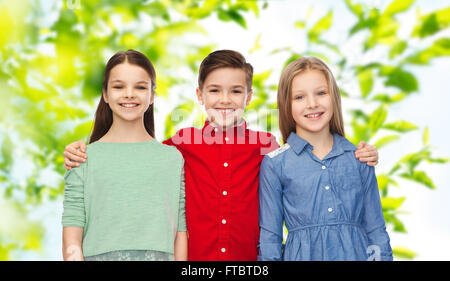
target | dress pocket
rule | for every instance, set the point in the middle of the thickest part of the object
(347, 179)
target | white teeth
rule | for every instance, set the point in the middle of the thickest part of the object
(129, 105)
(226, 110)
(313, 115)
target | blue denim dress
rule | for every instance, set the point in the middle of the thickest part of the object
(331, 207)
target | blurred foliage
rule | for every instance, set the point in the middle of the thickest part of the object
(53, 53)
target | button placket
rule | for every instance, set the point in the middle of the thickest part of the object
(224, 199)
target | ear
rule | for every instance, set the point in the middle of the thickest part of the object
(152, 99)
(105, 96)
(199, 96)
(249, 97)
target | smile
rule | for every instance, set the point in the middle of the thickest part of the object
(225, 110)
(314, 116)
(128, 105)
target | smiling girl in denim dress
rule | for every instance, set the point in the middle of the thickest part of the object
(328, 200)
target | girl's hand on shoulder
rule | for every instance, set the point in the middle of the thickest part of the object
(367, 153)
(74, 154)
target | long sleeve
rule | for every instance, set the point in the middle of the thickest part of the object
(270, 214)
(373, 219)
(74, 211)
(182, 204)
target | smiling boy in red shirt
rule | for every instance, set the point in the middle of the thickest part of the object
(222, 162)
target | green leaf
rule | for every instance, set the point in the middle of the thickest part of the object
(397, 49)
(386, 140)
(426, 136)
(404, 253)
(398, 6)
(420, 177)
(400, 126)
(432, 23)
(410, 161)
(438, 160)
(300, 24)
(439, 48)
(321, 26)
(399, 78)
(365, 79)
(232, 15)
(382, 180)
(386, 98)
(391, 203)
(377, 119)
(356, 9)
(391, 218)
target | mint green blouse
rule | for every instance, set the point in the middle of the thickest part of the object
(127, 197)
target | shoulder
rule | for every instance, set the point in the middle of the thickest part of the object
(182, 136)
(344, 143)
(278, 151)
(168, 149)
(76, 174)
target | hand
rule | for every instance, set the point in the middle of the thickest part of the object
(367, 153)
(74, 154)
(74, 253)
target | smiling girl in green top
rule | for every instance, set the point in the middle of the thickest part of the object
(127, 201)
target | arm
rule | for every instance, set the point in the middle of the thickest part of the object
(73, 217)
(270, 214)
(181, 237)
(181, 247)
(373, 219)
(72, 239)
(367, 153)
(74, 154)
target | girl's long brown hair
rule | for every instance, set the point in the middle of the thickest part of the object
(284, 97)
(103, 115)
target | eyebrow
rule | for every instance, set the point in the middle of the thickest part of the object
(317, 88)
(219, 86)
(117, 80)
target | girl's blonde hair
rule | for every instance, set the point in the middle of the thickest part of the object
(284, 98)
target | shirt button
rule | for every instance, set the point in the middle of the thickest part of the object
(224, 193)
(323, 167)
(226, 139)
(224, 221)
(215, 130)
(225, 164)
(327, 187)
(223, 250)
(330, 210)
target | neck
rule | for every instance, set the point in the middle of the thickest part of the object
(224, 128)
(321, 141)
(126, 131)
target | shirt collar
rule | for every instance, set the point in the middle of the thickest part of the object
(340, 144)
(241, 129)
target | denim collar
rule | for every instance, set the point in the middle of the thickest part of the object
(340, 144)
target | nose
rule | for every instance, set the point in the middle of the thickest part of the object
(311, 102)
(129, 92)
(225, 97)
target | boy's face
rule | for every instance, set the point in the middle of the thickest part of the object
(225, 96)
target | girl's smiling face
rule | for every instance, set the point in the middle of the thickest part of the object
(312, 107)
(129, 92)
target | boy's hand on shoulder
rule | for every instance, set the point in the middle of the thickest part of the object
(367, 153)
(74, 154)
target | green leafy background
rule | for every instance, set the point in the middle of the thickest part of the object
(52, 56)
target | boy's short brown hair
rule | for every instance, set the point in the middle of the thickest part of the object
(225, 58)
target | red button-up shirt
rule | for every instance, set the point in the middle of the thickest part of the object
(221, 177)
